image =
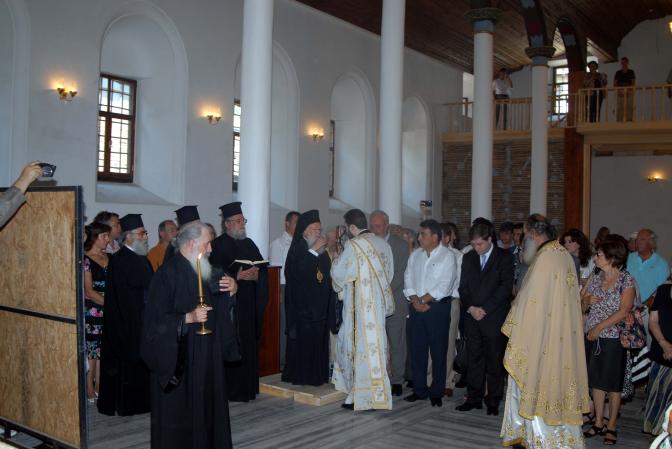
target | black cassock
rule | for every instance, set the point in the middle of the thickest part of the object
(243, 377)
(189, 399)
(124, 377)
(308, 294)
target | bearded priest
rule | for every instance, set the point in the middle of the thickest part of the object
(545, 357)
(307, 299)
(188, 385)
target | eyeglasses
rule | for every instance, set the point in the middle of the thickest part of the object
(141, 233)
(238, 220)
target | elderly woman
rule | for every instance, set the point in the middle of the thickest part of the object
(578, 246)
(660, 376)
(608, 297)
(95, 273)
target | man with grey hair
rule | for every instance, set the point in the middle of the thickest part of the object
(124, 379)
(395, 325)
(647, 267)
(188, 381)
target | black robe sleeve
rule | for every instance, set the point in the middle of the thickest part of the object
(164, 326)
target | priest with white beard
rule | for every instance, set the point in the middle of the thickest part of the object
(188, 385)
(124, 378)
(362, 275)
(545, 357)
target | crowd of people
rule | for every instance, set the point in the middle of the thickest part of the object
(553, 326)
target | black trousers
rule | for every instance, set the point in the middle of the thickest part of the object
(485, 351)
(429, 334)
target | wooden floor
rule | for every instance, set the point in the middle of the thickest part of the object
(275, 423)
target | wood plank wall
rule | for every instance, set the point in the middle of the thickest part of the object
(511, 183)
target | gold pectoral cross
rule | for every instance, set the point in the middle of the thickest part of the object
(319, 276)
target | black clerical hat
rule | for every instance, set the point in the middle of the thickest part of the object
(187, 214)
(305, 220)
(231, 209)
(131, 221)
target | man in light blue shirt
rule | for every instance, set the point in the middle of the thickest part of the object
(646, 266)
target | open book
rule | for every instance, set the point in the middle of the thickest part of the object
(238, 264)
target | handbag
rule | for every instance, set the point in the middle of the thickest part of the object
(461, 360)
(632, 331)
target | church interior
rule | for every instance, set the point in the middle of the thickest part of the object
(377, 104)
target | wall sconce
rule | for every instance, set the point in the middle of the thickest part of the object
(669, 24)
(317, 134)
(66, 94)
(656, 177)
(213, 117)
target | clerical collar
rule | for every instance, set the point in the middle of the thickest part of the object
(129, 248)
(363, 231)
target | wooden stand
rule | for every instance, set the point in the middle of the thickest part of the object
(269, 344)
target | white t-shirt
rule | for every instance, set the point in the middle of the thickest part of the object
(278, 253)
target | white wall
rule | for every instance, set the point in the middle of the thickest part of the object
(623, 200)
(6, 78)
(321, 48)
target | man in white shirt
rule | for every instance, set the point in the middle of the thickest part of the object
(278, 254)
(501, 88)
(429, 283)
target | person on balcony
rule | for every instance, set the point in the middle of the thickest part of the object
(501, 88)
(594, 80)
(625, 97)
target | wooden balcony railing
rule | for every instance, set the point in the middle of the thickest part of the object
(587, 107)
(611, 105)
(509, 115)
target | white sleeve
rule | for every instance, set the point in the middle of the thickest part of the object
(409, 287)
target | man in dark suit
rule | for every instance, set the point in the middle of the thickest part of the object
(485, 290)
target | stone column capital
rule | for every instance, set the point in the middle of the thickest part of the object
(540, 54)
(484, 19)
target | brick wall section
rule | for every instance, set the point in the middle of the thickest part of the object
(511, 183)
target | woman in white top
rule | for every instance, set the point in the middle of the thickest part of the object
(578, 246)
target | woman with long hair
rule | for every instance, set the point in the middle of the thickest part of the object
(95, 273)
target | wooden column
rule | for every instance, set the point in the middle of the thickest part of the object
(269, 344)
(574, 169)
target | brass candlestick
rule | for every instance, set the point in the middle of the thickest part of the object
(201, 297)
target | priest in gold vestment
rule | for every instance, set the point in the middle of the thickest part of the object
(545, 357)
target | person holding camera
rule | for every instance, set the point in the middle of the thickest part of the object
(12, 198)
(501, 89)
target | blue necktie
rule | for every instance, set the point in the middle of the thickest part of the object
(483, 260)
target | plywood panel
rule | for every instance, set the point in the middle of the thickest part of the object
(38, 262)
(38, 378)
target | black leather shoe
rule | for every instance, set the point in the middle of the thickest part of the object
(348, 406)
(397, 390)
(468, 406)
(436, 402)
(413, 397)
(493, 410)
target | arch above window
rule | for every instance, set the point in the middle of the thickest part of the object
(354, 132)
(142, 43)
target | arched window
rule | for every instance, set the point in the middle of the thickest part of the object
(142, 44)
(415, 145)
(352, 111)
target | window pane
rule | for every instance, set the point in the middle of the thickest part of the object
(236, 157)
(117, 86)
(103, 82)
